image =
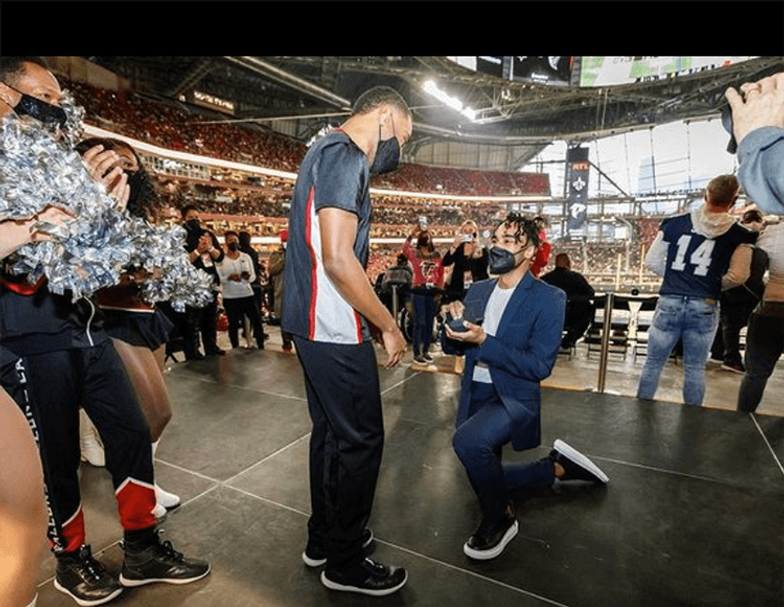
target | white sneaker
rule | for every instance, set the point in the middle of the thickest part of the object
(166, 499)
(159, 512)
(90, 441)
(576, 465)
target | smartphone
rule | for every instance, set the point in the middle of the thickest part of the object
(456, 324)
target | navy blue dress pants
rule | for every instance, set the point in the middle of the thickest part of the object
(479, 442)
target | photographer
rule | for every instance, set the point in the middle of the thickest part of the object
(204, 251)
(468, 260)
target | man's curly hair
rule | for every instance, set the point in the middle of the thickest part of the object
(523, 226)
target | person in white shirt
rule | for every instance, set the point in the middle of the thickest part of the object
(236, 275)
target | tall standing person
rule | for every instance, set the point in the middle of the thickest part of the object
(329, 308)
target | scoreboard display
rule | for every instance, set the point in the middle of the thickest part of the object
(593, 71)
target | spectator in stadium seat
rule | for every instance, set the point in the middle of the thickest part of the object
(699, 254)
(758, 130)
(579, 298)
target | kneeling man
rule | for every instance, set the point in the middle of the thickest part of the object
(511, 331)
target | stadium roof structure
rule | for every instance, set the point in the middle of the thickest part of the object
(315, 92)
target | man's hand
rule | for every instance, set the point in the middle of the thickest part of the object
(454, 308)
(473, 335)
(395, 346)
(759, 104)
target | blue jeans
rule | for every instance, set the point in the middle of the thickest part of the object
(478, 443)
(691, 319)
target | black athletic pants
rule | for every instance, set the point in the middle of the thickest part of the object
(50, 388)
(346, 444)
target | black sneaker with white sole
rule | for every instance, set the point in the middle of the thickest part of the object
(491, 537)
(155, 561)
(576, 465)
(367, 577)
(315, 555)
(85, 579)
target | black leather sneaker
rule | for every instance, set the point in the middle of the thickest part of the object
(85, 579)
(490, 538)
(367, 577)
(315, 555)
(156, 561)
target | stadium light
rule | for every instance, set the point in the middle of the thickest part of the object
(431, 88)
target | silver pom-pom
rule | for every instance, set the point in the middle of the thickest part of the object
(91, 251)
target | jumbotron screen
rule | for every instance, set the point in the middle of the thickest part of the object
(610, 71)
(544, 70)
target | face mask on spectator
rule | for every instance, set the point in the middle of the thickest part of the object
(40, 110)
(193, 224)
(140, 191)
(233, 246)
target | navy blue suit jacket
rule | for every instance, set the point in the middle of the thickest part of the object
(520, 355)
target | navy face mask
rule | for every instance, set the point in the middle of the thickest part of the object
(40, 110)
(387, 155)
(500, 261)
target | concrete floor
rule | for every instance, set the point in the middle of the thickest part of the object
(693, 514)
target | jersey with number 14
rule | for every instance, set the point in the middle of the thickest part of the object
(695, 263)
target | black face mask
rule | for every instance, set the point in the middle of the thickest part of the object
(193, 225)
(387, 154)
(233, 246)
(501, 261)
(47, 113)
(141, 192)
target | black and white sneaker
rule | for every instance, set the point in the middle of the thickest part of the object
(85, 579)
(576, 466)
(490, 538)
(315, 555)
(155, 561)
(367, 577)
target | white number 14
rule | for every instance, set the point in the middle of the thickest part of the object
(700, 258)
